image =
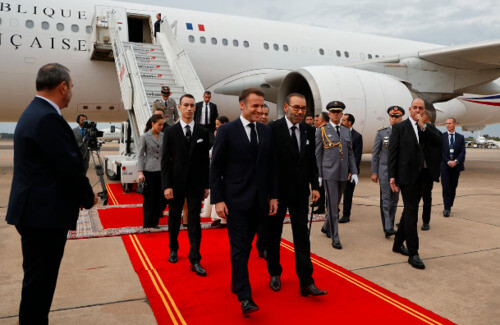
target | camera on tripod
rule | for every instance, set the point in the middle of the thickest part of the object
(90, 135)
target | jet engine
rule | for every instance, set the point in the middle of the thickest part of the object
(367, 95)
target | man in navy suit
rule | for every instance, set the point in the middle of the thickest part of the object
(357, 148)
(243, 185)
(452, 163)
(49, 188)
(408, 161)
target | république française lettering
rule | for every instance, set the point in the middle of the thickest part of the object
(17, 41)
(45, 11)
(42, 42)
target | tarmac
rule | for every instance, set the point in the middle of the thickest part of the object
(97, 284)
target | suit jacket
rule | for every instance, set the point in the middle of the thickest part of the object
(184, 167)
(79, 140)
(295, 172)
(405, 153)
(433, 152)
(357, 147)
(332, 165)
(237, 177)
(459, 150)
(157, 26)
(150, 149)
(49, 183)
(214, 113)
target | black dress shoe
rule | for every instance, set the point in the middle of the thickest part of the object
(275, 283)
(173, 257)
(426, 226)
(263, 254)
(389, 233)
(446, 213)
(401, 250)
(319, 211)
(311, 290)
(248, 306)
(344, 219)
(337, 245)
(416, 262)
(233, 289)
(216, 223)
(198, 269)
(326, 232)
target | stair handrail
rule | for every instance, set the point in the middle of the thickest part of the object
(179, 62)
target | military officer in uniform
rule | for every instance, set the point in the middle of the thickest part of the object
(388, 199)
(168, 106)
(336, 166)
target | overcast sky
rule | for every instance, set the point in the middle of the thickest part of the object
(434, 21)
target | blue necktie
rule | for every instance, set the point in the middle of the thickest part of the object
(452, 139)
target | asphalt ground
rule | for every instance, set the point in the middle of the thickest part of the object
(97, 284)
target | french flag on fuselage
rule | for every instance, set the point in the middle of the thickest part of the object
(485, 100)
(201, 27)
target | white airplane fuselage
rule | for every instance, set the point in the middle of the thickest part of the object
(34, 33)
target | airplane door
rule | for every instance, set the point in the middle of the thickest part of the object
(120, 14)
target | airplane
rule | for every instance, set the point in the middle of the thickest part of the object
(229, 53)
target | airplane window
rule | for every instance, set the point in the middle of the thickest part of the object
(45, 25)
(321, 51)
(75, 28)
(214, 41)
(369, 56)
(285, 48)
(224, 42)
(30, 23)
(376, 55)
(191, 38)
(88, 29)
(276, 47)
(346, 54)
(339, 54)
(246, 44)
(266, 46)
(60, 27)
(235, 42)
(203, 40)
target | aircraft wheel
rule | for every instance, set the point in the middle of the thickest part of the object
(111, 175)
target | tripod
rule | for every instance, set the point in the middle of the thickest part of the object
(97, 161)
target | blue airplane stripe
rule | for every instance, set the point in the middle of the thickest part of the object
(483, 98)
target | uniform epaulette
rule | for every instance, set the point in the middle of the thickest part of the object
(382, 128)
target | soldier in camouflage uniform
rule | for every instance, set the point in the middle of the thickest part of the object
(168, 106)
(388, 199)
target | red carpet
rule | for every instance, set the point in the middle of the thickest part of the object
(116, 195)
(179, 296)
(127, 217)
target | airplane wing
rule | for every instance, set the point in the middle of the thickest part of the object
(479, 56)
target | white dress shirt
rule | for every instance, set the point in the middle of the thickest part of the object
(297, 130)
(183, 125)
(205, 109)
(247, 128)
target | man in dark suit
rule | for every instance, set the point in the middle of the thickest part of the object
(432, 152)
(452, 163)
(243, 185)
(48, 189)
(79, 133)
(206, 112)
(357, 147)
(294, 144)
(184, 172)
(157, 24)
(406, 167)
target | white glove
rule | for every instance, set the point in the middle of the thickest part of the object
(320, 181)
(354, 179)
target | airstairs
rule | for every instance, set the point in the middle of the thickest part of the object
(142, 70)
